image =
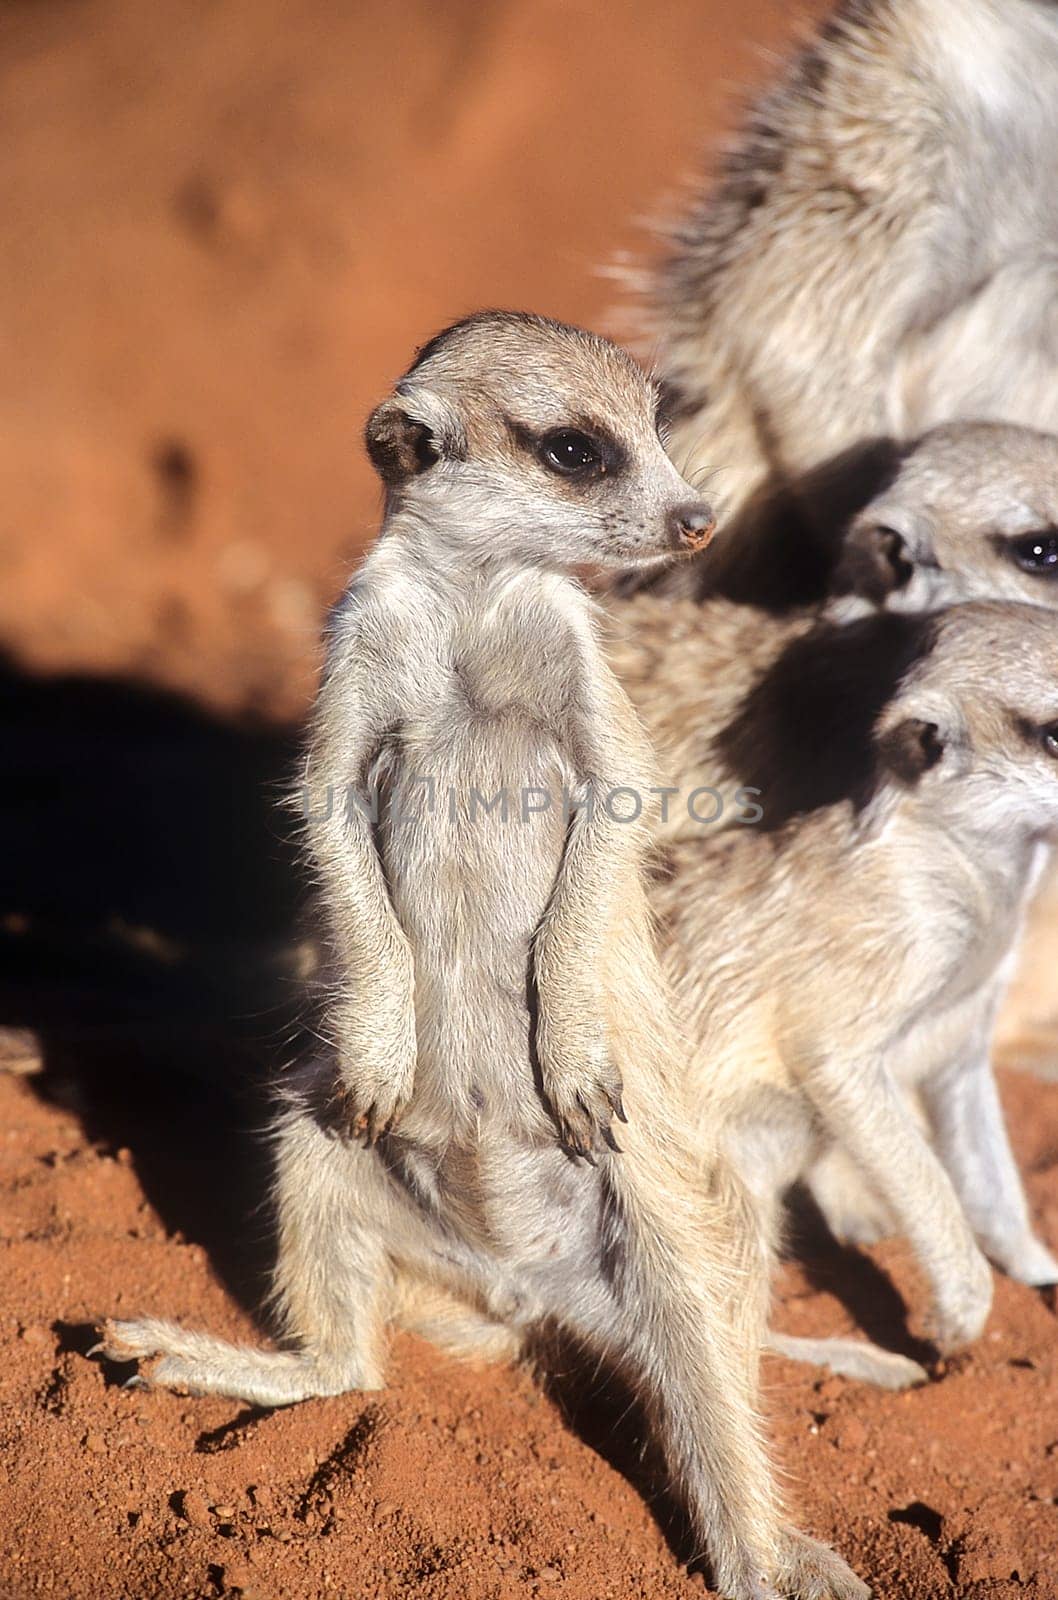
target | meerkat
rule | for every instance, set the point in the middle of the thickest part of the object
(849, 950)
(971, 512)
(498, 1001)
(878, 255)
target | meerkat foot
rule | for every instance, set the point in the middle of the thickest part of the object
(744, 1580)
(812, 1571)
(851, 1358)
(853, 1216)
(961, 1305)
(1026, 1260)
(203, 1364)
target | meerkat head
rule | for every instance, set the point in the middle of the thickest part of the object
(517, 438)
(973, 724)
(971, 513)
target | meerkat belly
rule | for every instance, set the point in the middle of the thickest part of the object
(471, 837)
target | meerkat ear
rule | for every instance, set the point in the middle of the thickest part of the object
(910, 747)
(400, 445)
(873, 562)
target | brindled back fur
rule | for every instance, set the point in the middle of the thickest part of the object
(879, 254)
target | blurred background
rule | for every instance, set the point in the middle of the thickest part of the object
(228, 224)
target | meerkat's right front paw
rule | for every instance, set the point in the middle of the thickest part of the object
(376, 1062)
(581, 1084)
(372, 1104)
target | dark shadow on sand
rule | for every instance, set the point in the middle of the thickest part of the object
(150, 897)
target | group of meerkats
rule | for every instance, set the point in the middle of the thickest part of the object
(638, 911)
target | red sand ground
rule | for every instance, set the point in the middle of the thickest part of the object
(458, 1484)
(226, 225)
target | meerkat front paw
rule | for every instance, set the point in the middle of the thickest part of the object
(376, 1066)
(581, 1084)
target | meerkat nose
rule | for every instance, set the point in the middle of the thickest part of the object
(692, 526)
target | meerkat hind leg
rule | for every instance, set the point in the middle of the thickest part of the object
(204, 1364)
(851, 1358)
(971, 1135)
(329, 1282)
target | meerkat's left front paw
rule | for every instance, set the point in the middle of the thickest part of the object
(581, 1084)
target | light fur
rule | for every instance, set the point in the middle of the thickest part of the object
(967, 507)
(496, 988)
(839, 960)
(878, 256)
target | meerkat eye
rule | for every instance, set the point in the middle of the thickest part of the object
(1036, 553)
(569, 452)
(1049, 739)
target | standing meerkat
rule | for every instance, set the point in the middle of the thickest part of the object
(878, 255)
(885, 891)
(497, 1000)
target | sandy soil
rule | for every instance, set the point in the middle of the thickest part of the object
(452, 1484)
(227, 224)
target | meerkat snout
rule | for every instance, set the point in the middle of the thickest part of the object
(693, 526)
(524, 440)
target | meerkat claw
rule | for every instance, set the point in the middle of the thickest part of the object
(617, 1105)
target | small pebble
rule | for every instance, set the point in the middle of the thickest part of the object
(194, 1509)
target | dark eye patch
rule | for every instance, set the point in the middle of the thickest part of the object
(1042, 734)
(1035, 553)
(582, 451)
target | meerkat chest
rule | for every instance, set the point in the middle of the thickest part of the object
(515, 662)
